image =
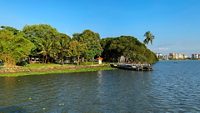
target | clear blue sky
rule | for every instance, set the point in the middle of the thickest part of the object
(175, 23)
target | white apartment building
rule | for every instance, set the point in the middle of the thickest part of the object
(177, 56)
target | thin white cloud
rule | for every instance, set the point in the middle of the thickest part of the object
(163, 49)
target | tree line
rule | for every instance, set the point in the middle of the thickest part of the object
(50, 46)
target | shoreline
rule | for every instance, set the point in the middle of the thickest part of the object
(30, 71)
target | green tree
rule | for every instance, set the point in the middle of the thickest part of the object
(127, 46)
(62, 46)
(13, 47)
(148, 37)
(43, 36)
(92, 42)
(12, 29)
(76, 49)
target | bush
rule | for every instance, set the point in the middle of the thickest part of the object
(22, 63)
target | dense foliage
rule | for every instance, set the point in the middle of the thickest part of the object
(44, 38)
(45, 43)
(92, 42)
(127, 46)
(13, 47)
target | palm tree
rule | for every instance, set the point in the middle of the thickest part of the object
(63, 46)
(45, 47)
(149, 37)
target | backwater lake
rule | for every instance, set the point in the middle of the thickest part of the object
(173, 86)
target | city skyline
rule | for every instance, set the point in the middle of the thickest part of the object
(174, 23)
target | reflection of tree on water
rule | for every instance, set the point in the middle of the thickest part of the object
(8, 87)
(10, 81)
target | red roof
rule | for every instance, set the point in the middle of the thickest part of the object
(99, 58)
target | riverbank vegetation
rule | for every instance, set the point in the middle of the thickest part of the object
(44, 44)
(128, 46)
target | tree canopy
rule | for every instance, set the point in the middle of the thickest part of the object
(76, 49)
(43, 36)
(62, 46)
(92, 42)
(126, 46)
(148, 37)
(45, 43)
(13, 47)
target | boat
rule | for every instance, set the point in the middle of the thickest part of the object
(134, 67)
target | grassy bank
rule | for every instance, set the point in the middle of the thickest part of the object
(43, 69)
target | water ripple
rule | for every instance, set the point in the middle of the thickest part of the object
(172, 87)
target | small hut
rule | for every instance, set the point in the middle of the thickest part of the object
(100, 59)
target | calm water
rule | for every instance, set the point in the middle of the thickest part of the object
(173, 86)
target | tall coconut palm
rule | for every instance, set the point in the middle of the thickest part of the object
(148, 37)
(63, 46)
(45, 47)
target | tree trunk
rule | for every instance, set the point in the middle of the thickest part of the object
(78, 60)
(8, 61)
(82, 60)
(45, 58)
(93, 61)
(62, 59)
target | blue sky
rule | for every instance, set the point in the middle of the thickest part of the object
(175, 23)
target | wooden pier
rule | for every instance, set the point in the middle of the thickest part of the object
(134, 67)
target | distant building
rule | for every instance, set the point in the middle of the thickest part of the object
(195, 56)
(187, 57)
(159, 55)
(171, 55)
(177, 56)
(165, 57)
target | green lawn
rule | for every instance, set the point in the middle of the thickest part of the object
(45, 65)
(43, 69)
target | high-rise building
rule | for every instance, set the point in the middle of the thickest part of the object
(177, 56)
(195, 56)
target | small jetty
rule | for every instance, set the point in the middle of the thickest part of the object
(134, 67)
